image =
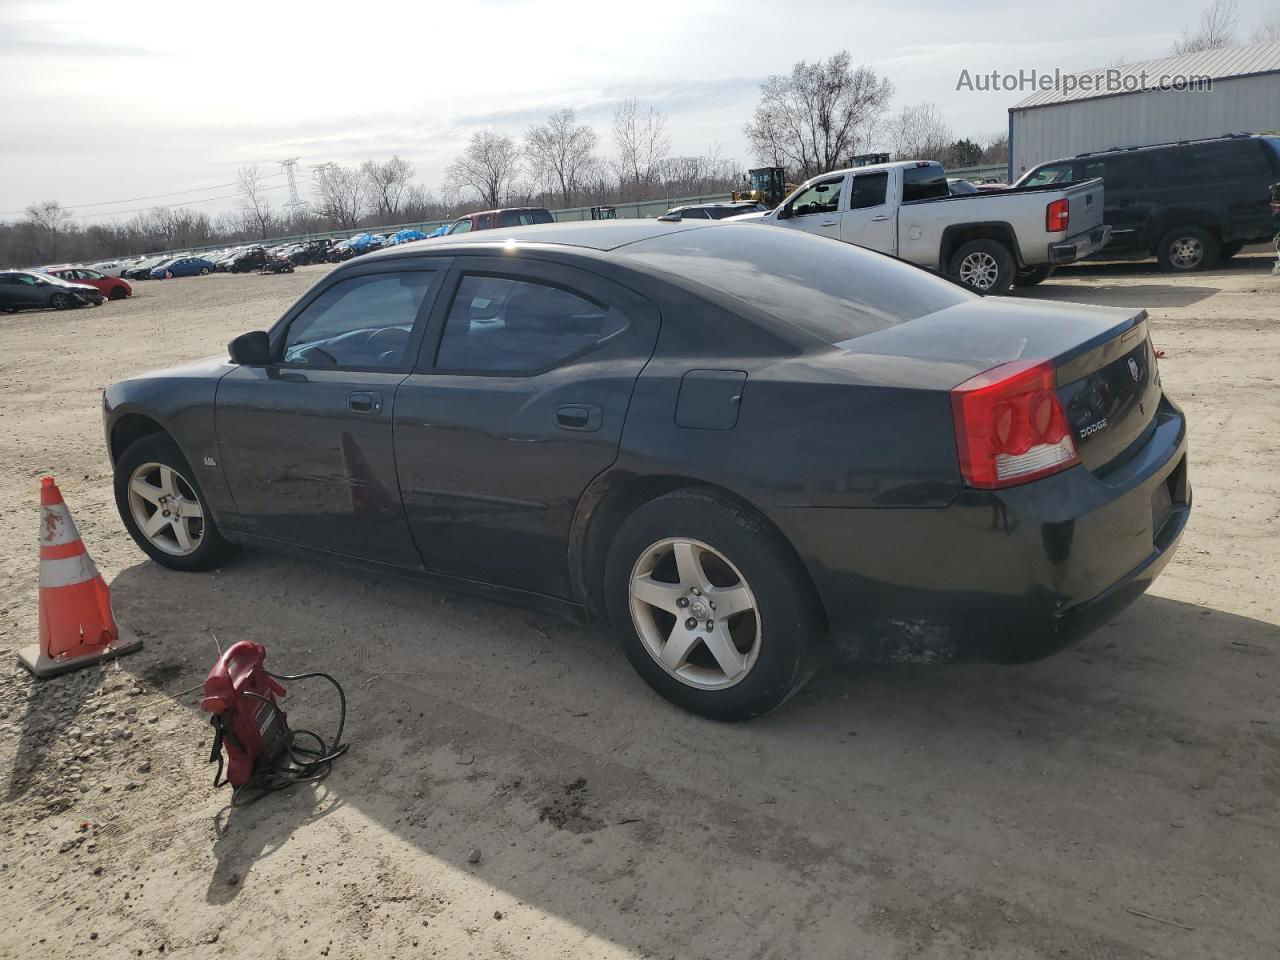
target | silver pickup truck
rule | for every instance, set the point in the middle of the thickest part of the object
(989, 240)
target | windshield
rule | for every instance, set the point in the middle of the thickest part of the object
(831, 290)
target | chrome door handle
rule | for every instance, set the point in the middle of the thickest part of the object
(880, 219)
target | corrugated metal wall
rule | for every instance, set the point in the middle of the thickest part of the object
(1238, 105)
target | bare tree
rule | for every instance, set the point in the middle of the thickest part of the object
(813, 119)
(919, 133)
(256, 205)
(46, 224)
(1217, 29)
(641, 140)
(339, 194)
(387, 183)
(489, 166)
(1268, 32)
(560, 150)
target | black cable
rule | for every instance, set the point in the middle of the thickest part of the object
(305, 764)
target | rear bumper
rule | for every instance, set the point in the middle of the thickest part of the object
(1009, 575)
(1080, 246)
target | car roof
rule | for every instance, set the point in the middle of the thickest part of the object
(602, 235)
(481, 213)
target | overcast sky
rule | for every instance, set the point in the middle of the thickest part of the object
(113, 101)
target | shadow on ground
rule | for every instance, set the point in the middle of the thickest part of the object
(999, 808)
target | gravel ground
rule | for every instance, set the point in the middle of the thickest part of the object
(513, 790)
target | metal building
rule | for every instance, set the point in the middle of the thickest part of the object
(1235, 90)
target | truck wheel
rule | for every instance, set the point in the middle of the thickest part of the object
(1032, 276)
(1185, 249)
(986, 266)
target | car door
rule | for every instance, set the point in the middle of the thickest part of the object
(817, 207)
(868, 218)
(306, 442)
(12, 295)
(27, 291)
(517, 403)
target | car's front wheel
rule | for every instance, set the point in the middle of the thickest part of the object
(117, 293)
(204, 271)
(711, 607)
(62, 301)
(163, 509)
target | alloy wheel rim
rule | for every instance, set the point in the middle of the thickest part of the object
(979, 270)
(695, 613)
(61, 300)
(1186, 252)
(166, 509)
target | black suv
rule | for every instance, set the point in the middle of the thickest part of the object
(1188, 204)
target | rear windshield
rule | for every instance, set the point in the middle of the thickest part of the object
(924, 183)
(830, 289)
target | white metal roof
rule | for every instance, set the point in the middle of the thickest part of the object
(1153, 74)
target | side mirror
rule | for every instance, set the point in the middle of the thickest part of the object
(784, 213)
(250, 349)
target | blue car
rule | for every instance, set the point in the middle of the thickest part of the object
(183, 267)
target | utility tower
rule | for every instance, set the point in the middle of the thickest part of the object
(295, 204)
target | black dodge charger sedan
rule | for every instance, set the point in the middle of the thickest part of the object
(739, 447)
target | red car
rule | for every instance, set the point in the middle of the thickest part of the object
(113, 288)
(506, 217)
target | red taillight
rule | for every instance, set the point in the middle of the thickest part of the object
(1010, 426)
(1057, 215)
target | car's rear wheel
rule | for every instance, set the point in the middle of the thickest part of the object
(117, 293)
(710, 606)
(163, 509)
(1186, 249)
(61, 301)
(986, 266)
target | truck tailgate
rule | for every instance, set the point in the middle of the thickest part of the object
(1085, 199)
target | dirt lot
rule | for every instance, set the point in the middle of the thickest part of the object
(1116, 801)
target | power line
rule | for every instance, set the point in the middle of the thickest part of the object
(154, 196)
(166, 206)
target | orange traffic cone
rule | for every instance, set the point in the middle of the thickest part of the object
(76, 625)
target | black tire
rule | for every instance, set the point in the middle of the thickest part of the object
(1229, 250)
(62, 301)
(1187, 249)
(986, 266)
(213, 549)
(204, 271)
(117, 293)
(1032, 276)
(792, 630)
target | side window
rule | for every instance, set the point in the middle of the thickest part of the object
(928, 182)
(462, 226)
(1049, 173)
(501, 324)
(694, 214)
(1215, 162)
(362, 322)
(1117, 172)
(869, 190)
(822, 197)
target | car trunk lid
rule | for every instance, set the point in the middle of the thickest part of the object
(1108, 407)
